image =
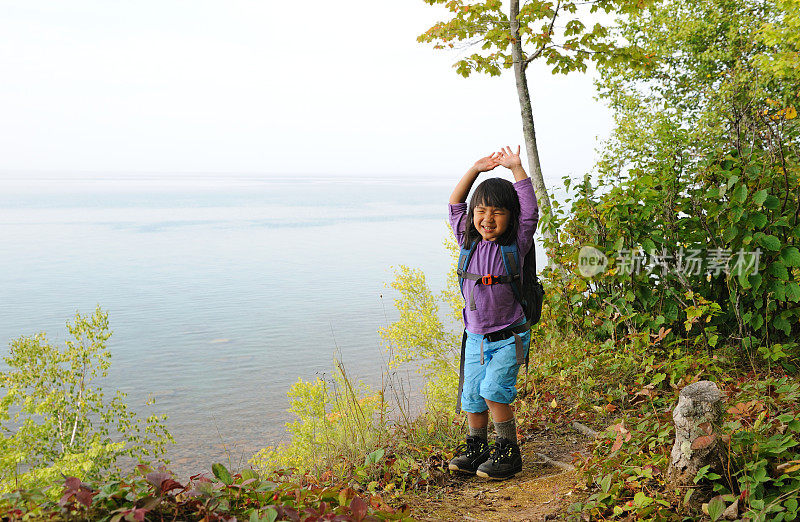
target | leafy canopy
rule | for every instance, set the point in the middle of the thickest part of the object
(565, 33)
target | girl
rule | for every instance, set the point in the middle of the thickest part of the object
(500, 213)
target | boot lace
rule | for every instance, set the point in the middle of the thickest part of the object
(470, 449)
(500, 451)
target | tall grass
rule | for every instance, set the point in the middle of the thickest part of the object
(341, 422)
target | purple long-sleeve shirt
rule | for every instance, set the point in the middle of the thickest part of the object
(496, 306)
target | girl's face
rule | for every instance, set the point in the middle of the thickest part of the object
(490, 222)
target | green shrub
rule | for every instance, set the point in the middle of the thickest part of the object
(57, 421)
(421, 336)
(696, 204)
(337, 423)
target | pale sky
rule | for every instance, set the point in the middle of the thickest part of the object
(263, 87)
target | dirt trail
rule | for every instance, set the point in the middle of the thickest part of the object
(540, 492)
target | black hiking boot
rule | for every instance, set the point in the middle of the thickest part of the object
(504, 462)
(470, 455)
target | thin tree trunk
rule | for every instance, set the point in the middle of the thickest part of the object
(528, 129)
(80, 405)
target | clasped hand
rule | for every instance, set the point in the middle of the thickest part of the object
(506, 157)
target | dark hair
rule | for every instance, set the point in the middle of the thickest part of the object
(494, 192)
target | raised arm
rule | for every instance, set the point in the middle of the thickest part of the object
(512, 161)
(528, 206)
(485, 164)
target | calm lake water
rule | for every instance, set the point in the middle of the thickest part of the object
(221, 291)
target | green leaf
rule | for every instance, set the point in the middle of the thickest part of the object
(782, 324)
(744, 281)
(254, 516)
(769, 242)
(206, 488)
(739, 194)
(641, 500)
(757, 322)
(790, 256)
(729, 234)
(248, 474)
(755, 280)
(760, 196)
(605, 482)
(779, 270)
(701, 473)
(757, 220)
(793, 292)
(222, 473)
(778, 289)
(266, 485)
(772, 202)
(374, 457)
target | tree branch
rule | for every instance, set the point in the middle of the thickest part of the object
(556, 463)
(584, 430)
(549, 33)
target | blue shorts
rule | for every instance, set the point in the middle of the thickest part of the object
(496, 378)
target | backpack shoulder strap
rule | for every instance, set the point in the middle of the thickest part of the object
(463, 262)
(510, 256)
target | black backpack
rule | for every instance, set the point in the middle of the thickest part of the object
(527, 288)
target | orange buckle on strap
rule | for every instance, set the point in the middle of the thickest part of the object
(488, 279)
